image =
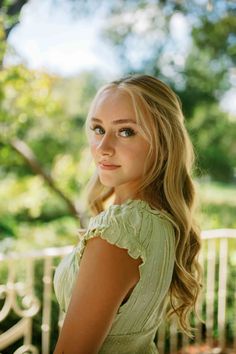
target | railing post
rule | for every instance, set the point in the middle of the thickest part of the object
(223, 253)
(210, 290)
(47, 294)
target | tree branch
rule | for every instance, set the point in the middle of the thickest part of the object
(24, 151)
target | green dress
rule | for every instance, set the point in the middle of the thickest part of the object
(145, 233)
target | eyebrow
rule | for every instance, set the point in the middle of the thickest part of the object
(117, 121)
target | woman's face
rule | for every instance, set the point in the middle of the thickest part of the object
(117, 145)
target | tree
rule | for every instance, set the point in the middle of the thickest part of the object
(9, 17)
(28, 114)
(203, 79)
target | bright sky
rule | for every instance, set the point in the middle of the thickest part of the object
(47, 38)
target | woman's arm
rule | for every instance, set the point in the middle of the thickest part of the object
(105, 276)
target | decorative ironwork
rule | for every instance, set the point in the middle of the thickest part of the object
(18, 295)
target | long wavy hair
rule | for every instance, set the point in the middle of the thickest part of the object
(167, 185)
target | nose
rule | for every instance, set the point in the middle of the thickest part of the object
(106, 146)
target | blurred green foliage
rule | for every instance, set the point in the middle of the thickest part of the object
(200, 79)
(217, 205)
(34, 110)
(47, 114)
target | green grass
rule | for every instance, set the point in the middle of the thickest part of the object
(217, 205)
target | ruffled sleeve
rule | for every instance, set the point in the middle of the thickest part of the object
(119, 225)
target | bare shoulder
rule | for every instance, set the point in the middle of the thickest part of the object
(105, 276)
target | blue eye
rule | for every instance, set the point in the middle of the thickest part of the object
(127, 132)
(123, 132)
(98, 130)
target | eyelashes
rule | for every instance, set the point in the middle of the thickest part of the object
(123, 132)
(96, 129)
(129, 131)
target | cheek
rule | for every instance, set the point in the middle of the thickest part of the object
(140, 155)
(135, 158)
(140, 151)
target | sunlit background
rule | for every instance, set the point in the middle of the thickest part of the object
(54, 55)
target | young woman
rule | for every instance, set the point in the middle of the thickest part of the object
(140, 250)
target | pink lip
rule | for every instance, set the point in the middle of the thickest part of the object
(107, 166)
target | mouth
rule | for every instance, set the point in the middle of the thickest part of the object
(106, 166)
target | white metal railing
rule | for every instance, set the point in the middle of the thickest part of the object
(13, 288)
(18, 295)
(218, 260)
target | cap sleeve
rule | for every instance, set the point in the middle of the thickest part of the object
(119, 225)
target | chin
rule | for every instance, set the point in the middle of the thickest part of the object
(106, 183)
(109, 182)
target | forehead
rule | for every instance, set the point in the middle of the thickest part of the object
(114, 102)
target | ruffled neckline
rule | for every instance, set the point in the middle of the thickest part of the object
(143, 205)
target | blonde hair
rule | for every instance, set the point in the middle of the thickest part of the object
(167, 185)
